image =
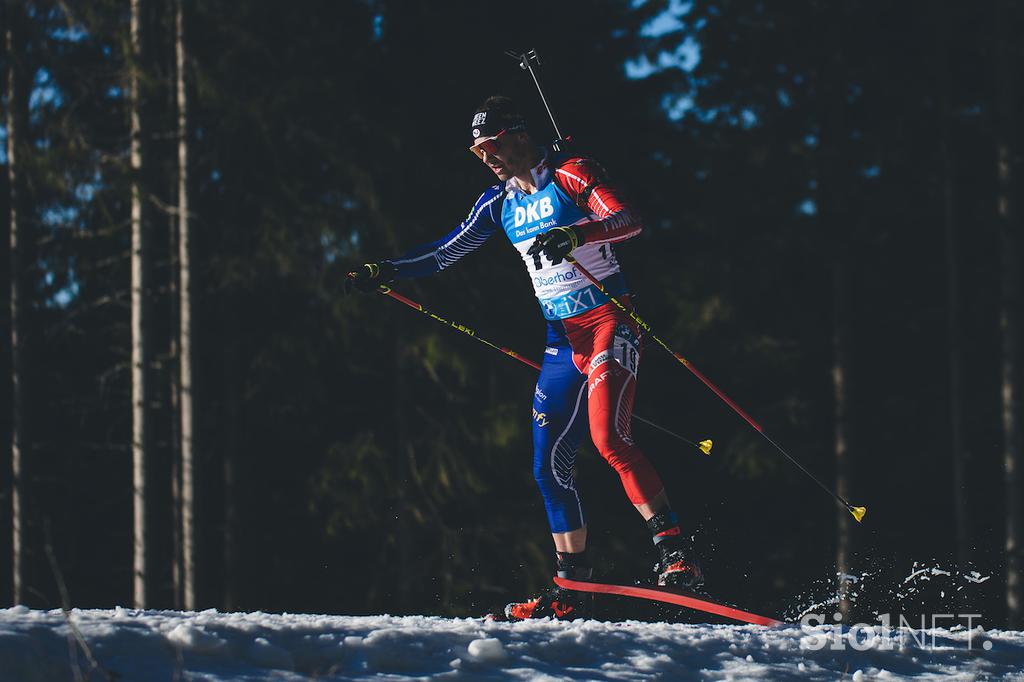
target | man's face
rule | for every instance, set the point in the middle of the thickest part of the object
(510, 156)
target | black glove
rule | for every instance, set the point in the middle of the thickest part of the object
(557, 243)
(370, 276)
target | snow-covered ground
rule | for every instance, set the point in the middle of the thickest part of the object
(165, 645)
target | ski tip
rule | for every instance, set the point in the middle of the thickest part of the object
(705, 446)
(858, 512)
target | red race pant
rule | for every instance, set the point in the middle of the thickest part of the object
(588, 379)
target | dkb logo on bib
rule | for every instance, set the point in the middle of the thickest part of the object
(534, 211)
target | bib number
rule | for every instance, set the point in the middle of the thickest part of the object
(625, 349)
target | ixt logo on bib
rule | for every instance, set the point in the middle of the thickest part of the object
(534, 211)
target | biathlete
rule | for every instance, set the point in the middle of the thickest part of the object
(550, 205)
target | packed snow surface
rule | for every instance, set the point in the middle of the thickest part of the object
(130, 645)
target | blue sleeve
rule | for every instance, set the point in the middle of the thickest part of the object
(482, 222)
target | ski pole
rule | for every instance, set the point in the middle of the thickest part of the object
(857, 512)
(525, 64)
(388, 291)
(704, 445)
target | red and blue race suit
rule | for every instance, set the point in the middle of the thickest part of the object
(588, 376)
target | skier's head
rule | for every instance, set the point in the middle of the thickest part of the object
(500, 137)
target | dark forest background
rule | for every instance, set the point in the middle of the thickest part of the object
(812, 175)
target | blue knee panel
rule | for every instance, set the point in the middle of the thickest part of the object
(559, 422)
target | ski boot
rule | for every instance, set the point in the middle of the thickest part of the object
(678, 567)
(556, 602)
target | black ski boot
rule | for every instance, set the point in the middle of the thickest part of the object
(677, 567)
(556, 602)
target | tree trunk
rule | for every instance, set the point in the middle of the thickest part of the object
(21, 259)
(177, 569)
(840, 362)
(188, 469)
(230, 346)
(232, 432)
(1009, 310)
(174, 386)
(961, 517)
(960, 455)
(837, 225)
(140, 304)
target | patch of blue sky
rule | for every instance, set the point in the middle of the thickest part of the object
(808, 207)
(114, 92)
(677, 107)
(329, 243)
(70, 34)
(640, 67)
(85, 191)
(66, 294)
(660, 25)
(44, 91)
(745, 118)
(56, 216)
(871, 171)
(668, 21)
(686, 57)
(706, 115)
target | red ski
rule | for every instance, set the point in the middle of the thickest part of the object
(668, 595)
